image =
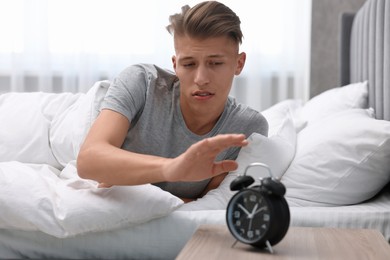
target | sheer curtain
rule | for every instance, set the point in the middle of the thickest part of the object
(67, 45)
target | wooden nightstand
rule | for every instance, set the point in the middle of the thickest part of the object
(215, 242)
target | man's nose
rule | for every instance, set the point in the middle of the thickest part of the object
(202, 76)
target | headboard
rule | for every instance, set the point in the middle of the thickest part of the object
(365, 52)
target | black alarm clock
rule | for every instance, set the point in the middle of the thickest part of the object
(258, 215)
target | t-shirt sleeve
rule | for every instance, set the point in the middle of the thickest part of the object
(261, 125)
(127, 92)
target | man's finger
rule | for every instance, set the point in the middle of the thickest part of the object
(224, 166)
(104, 185)
(222, 142)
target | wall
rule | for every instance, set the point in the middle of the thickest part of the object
(324, 60)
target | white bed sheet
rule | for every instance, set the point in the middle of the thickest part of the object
(372, 214)
(163, 238)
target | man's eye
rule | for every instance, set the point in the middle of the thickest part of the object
(188, 65)
(216, 63)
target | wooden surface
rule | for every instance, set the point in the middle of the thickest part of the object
(215, 242)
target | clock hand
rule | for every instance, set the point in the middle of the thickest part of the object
(254, 209)
(244, 209)
(250, 224)
(260, 209)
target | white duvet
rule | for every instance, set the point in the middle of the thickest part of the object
(40, 136)
(41, 197)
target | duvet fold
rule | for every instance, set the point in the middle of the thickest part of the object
(59, 203)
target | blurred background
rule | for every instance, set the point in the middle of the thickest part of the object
(67, 45)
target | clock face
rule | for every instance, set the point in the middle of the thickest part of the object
(248, 216)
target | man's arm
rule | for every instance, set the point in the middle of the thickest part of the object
(213, 184)
(102, 159)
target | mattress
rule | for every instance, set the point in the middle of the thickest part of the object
(162, 239)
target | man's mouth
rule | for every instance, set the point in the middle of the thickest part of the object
(202, 94)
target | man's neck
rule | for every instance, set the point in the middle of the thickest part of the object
(200, 125)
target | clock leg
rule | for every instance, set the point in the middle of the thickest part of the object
(268, 244)
(235, 242)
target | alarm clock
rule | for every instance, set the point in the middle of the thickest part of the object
(258, 215)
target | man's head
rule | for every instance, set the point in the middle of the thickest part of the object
(206, 39)
(206, 20)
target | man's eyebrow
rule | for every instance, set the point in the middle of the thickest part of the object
(188, 58)
(216, 56)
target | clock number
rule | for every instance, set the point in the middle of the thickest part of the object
(237, 214)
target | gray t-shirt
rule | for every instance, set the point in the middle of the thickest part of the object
(149, 97)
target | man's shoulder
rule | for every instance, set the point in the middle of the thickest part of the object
(247, 117)
(151, 73)
(149, 68)
(154, 72)
(242, 110)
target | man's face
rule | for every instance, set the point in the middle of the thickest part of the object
(205, 69)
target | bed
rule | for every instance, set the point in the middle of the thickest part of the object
(331, 152)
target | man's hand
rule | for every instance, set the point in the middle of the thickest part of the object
(198, 162)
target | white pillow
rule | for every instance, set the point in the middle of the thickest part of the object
(277, 151)
(69, 128)
(25, 125)
(278, 112)
(335, 100)
(59, 203)
(341, 160)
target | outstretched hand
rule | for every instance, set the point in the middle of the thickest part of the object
(199, 161)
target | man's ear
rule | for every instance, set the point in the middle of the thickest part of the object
(240, 63)
(174, 62)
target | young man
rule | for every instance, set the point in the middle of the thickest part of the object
(181, 132)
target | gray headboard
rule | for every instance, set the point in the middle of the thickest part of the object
(365, 52)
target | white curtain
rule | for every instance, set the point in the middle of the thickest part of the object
(67, 45)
